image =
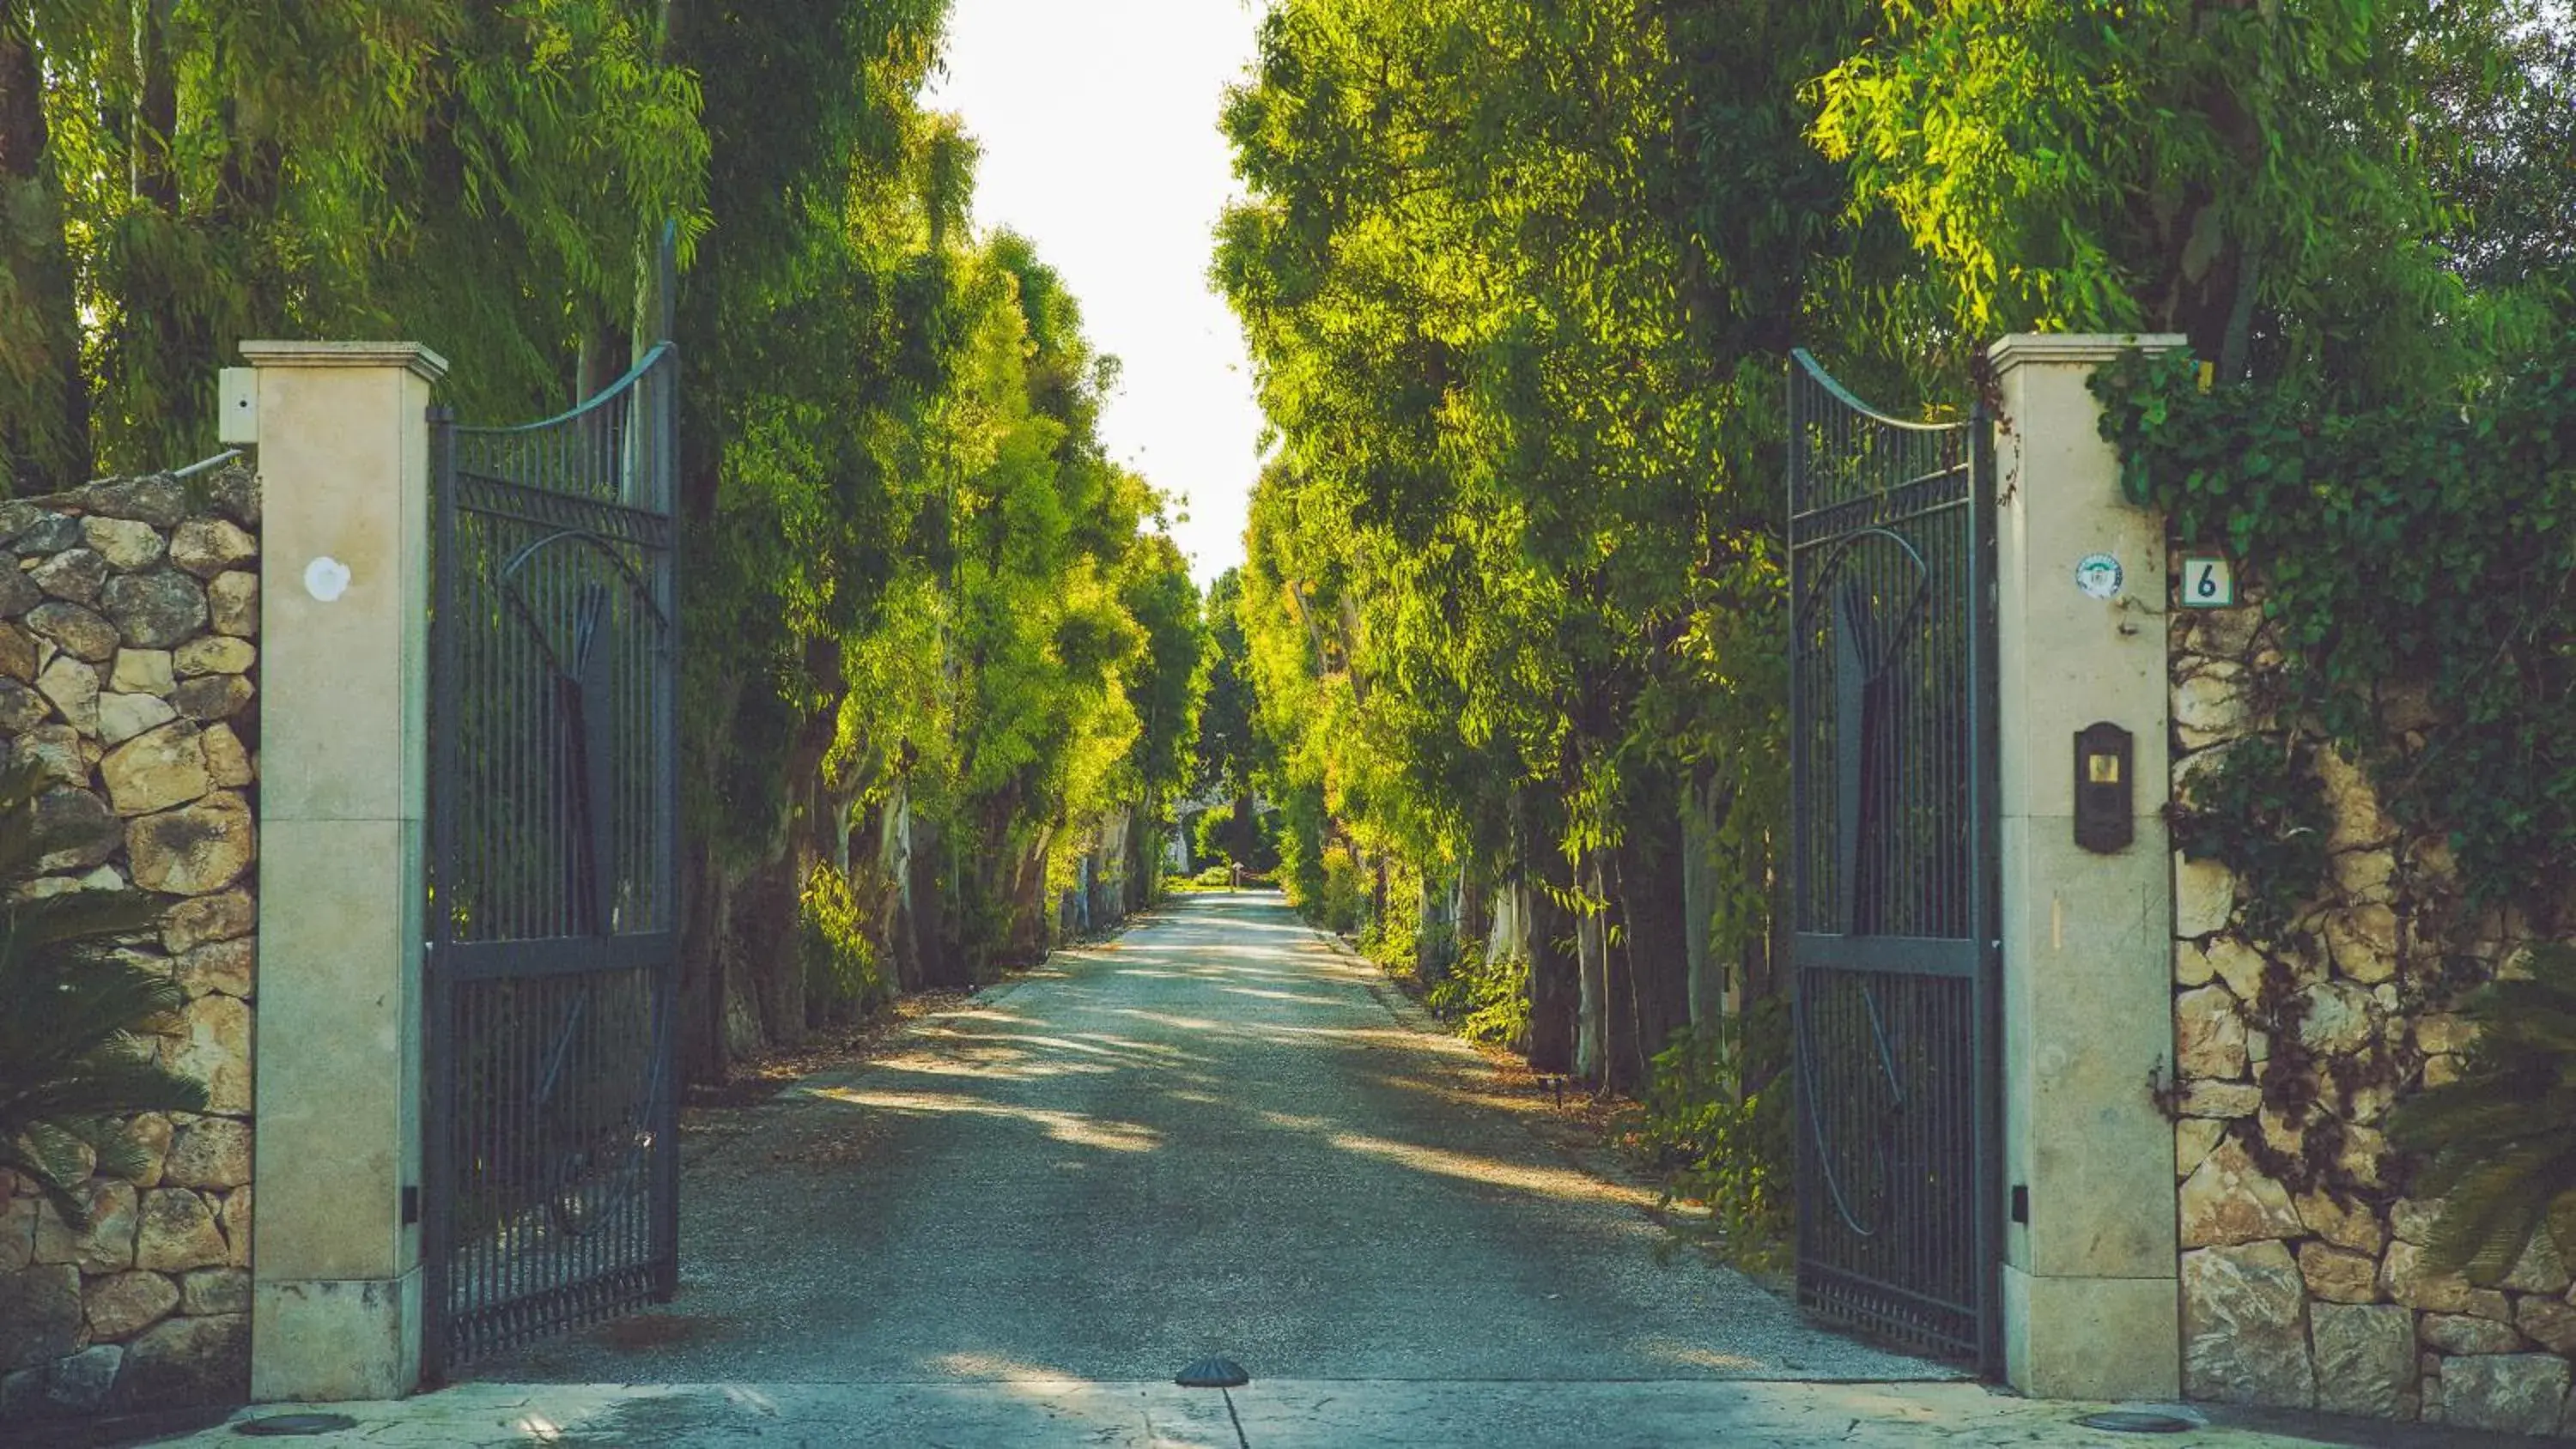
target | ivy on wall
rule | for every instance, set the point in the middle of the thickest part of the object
(2416, 564)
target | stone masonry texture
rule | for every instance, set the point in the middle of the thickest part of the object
(129, 668)
(2304, 1277)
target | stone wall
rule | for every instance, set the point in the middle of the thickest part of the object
(2303, 1275)
(128, 667)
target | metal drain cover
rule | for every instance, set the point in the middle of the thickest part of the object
(2135, 1421)
(295, 1425)
(1213, 1373)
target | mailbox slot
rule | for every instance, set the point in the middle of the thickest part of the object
(2105, 786)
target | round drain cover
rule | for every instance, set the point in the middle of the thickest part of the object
(290, 1425)
(2134, 1421)
(1213, 1373)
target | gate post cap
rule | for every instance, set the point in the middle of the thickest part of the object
(2016, 348)
(428, 365)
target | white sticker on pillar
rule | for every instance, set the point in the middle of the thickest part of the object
(326, 578)
(2098, 575)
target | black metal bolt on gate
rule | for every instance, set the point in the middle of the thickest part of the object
(550, 1148)
(1896, 963)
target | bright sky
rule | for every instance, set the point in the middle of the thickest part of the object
(1098, 124)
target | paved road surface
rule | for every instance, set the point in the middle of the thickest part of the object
(1213, 1134)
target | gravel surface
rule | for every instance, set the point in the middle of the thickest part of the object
(1212, 1134)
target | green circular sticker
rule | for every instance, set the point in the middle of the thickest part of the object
(2098, 575)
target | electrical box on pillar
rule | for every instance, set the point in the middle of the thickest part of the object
(2105, 820)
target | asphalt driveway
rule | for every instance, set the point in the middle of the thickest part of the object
(1212, 1134)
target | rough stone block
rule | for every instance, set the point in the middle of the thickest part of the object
(2204, 896)
(228, 761)
(82, 1383)
(40, 1314)
(143, 671)
(2540, 1269)
(2459, 1333)
(2405, 1276)
(224, 966)
(151, 1133)
(80, 832)
(122, 1305)
(215, 654)
(234, 1217)
(2365, 1358)
(107, 1244)
(216, 1051)
(55, 750)
(2221, 1099)
(2194, 1139)
(214, 1290)
(178, 1232)
(2339, 1018)
(21, 708)
(2363, 942)
(210, 1152)
(2338, 1275)
(123, 716)
(208, 546)
(17, 1233)
(212, 697)
(158, 770)
(2227, 1200)
(2522, 1393)
(185, 1361)
(233, 601)
(2210, 707)
(193, 851)
(155, 498)
(2346, 1225)
(2550, 1321)
(194, 922)
(74, 574)
(154, 610)
(2209, 1035)
(2364, 875)
(81, 632)
(126, 544)
(2245, 1327)
(72, 688)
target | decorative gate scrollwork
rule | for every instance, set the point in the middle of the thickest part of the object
(1895, 960)
(550, 1149)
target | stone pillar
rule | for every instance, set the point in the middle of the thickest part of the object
(344, 589)
(2089, 1288)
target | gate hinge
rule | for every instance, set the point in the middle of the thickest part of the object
(2021, 1203)
(410, 1206)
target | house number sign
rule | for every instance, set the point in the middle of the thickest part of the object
(2208, 582)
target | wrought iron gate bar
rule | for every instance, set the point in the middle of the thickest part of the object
(1899, 955)
(1894, 954)
(501, 499)
(485, 960)
(550, 1148)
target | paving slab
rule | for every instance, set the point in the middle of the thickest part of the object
(1288, 1414)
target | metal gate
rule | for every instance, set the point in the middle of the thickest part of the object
(550, 1161)
(1896, 955)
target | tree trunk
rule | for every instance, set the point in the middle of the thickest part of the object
(1651, 961)
(1592, 971)
(1554, 987)
(44, 400)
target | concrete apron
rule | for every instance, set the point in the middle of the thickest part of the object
(1275, 1414)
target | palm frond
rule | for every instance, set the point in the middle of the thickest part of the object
(2501, 1139)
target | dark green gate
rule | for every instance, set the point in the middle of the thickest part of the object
(550, 1148)
(1896, 954)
